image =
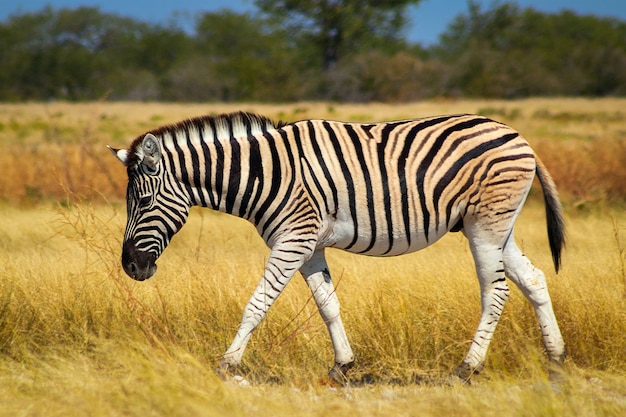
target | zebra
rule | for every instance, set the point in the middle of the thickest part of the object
(379, 189)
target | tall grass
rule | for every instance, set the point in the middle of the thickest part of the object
(79, 337)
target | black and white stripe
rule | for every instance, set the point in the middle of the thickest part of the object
(379, 189)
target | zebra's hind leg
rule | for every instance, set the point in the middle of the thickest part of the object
(532, 282)
(494, 294)
(316, 274)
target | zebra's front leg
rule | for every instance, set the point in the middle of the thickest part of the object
(280, 268)
(494, 294)
(316, 274)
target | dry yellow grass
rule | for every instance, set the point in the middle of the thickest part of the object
(78, 337)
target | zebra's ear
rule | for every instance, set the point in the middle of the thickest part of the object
(120, 154)
(149, 152)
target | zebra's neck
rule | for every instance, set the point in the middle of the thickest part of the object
(217, 161)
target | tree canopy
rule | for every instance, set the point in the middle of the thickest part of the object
(309, 50)
(336, 27)
(511, 52)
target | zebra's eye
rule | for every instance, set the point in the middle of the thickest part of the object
(149, 170)
(144, 201)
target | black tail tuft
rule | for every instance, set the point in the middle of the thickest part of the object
(554, 215)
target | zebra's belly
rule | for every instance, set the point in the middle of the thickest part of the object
(378, 241)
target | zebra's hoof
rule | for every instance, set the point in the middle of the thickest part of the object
(227, 372)
(465, 372)
(339, 372)
(557, 375)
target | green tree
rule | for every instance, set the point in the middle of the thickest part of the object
(83, 53)
(50, 54)
(239, 57)
(345, 50)
(335, 27)
(144, 65)
(507, 51)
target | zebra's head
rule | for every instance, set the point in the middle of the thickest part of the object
(156, 209)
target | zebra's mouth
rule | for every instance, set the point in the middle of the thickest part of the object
(137, 264)
(140, 274)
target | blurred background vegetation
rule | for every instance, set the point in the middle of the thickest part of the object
(295, 50)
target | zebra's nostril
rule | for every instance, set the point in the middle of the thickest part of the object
(132, 268)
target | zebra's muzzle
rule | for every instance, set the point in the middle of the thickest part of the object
(137, 264)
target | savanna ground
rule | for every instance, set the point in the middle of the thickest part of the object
(78, 337)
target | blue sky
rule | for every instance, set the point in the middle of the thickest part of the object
(429, 19)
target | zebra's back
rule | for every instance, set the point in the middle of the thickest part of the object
(392, 188)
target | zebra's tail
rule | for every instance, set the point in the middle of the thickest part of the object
(554, 214)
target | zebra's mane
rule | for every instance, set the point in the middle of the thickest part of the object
(235, 124)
